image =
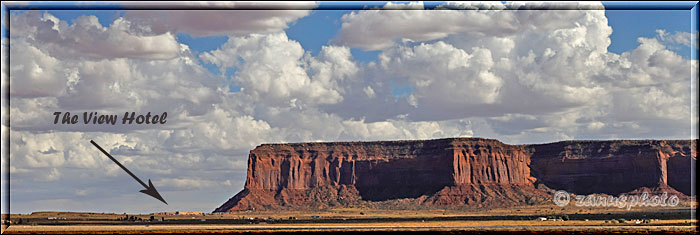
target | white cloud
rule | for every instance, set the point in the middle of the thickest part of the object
(185, 183)
(542, 67)
(650, 81)
(682, 38)
(87, 38)
(555, 75)
(398, 130)
(213, 22)
(389, 27)
(274, 70)
(40, 73)
(369, 92)
(532, 77)
(441, 73)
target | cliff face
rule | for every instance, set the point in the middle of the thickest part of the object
(613, 167)
(344, 173)
(681, 165)
(454, 172)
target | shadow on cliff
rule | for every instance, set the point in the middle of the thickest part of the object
(379, 180)
(615, 167)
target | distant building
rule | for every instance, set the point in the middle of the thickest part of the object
(189, 213)
(164, 213)
(179, 213)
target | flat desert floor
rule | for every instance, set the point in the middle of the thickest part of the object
(515, 219)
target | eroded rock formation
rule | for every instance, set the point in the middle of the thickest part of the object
(453, 172)
(614, 167)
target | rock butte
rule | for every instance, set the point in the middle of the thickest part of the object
(456, 172)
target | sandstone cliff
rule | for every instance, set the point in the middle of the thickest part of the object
(454, 172)
(434, 172)
(614, 167)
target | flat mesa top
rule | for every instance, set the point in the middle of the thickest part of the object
(465, 139)
(389, 142)
(385, 141)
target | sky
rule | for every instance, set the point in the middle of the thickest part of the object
(231, 80)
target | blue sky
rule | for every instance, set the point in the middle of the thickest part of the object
(319, 27)
(628, 25)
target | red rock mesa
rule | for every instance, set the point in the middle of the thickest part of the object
(453, 172)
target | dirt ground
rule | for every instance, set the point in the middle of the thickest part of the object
(520, 219)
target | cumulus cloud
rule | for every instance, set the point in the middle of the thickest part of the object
(457, 64)
(535, 76)
(274, 70)
(397, 129)
(185, 183)
(682, 38)
(41, 73)
(650, 83)
(53, 75)
(87, 38)
(392, 25)
(545, 65)
(389, 27)
(435, 70)
(210, 129)
(215, 22)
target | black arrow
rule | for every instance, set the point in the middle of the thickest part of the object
(150, 189)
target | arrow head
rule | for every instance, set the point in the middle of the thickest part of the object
(151, 191)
